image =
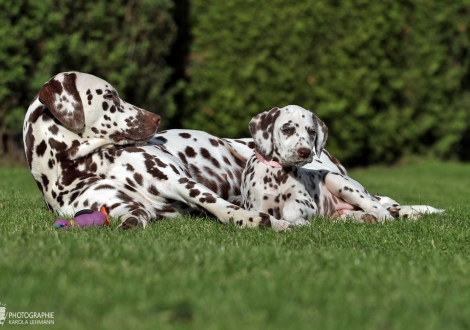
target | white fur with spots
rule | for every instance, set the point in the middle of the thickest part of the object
(87, 148)
(275, 182)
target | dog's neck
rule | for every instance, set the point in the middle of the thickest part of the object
(263, 160)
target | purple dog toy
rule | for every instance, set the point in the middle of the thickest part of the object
(84, 218)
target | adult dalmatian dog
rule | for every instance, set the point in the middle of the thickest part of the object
(275, 181)
(86, 148)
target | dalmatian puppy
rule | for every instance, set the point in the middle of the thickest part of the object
(275, 181)
(87, 148)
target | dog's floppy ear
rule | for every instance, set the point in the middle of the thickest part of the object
(61, 97)
(322, 134)
(261, 128)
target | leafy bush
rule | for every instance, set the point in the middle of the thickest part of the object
(389, 78)
(124, 42)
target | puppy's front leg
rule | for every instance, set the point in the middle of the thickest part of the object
(354, 194)
(299, 211)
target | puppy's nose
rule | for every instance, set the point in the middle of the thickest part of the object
(304, 152)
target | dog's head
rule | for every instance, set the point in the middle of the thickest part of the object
(289, 135)
(84, 111)
(90, 106)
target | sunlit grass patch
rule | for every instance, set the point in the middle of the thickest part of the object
(193, 272)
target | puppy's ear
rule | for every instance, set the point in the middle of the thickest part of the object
(61, 97)
(261, 128)
(322, 135)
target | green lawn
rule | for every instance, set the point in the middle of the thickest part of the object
(195, 273)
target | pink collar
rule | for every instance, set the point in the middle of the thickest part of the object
(271, 163)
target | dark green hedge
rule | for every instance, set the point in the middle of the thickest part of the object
(124, 42)
(390, 78)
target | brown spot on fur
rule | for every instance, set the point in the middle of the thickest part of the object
(138, 178)
(36, 113)
(153, 190)
(190, 152)
(208, 198)
(194, 192)
(185, 135)
(41, 148)
(104, 186)
(54, 129)
(29, 141)
(151, 169)
(265, 220)
(173, 167)
(45, 181)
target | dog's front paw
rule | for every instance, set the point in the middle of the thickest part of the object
(408, 212)
(384, 216)
(368, 218)
(281, 225)
(130, 223)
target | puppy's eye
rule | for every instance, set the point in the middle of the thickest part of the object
(287, 130)
(311, 131)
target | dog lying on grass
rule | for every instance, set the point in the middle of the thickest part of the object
(274, 180)
(87, 148)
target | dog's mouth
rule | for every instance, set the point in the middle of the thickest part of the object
(124, 139)
(295, 162)
(299, 163)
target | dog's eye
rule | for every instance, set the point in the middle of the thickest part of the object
(110, 96)
(311, 131)
(287, 130)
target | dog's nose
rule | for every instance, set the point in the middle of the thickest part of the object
(155, 118)
(304, 152)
